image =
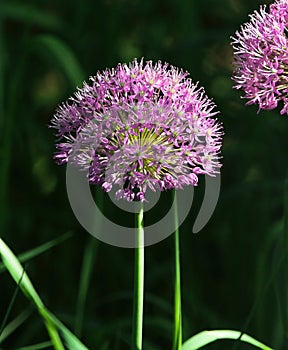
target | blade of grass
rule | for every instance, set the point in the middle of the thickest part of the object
(62, 55)
(86, 273)
(13, 325)
(8, 139)
(206, 337)
(87, 268)
(30, 15)
(280, 259)
(32, 253)
(52, 324)
(39, 346)
(70, 340)
(11, 304)
(20, 276)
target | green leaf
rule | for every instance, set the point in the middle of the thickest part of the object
(70, 340)
(13, 325)
(62, 54)
(29, 14)
(16, 271)
(32, 253)
(53, 325)
(40, 346)
(206, 337)
(85, 279)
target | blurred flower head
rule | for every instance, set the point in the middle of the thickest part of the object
(261, 57)
(139, 126)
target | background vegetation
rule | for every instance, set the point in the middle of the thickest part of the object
(230, 270)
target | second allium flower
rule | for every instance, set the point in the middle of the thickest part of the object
(139, 126)
(261, 57)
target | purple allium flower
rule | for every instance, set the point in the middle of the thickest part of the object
(261, 57)
(139, 126)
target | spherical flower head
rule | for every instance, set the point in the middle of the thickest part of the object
(139, 126)
(261, 57)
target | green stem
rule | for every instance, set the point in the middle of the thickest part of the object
(137, 327)
(177, 338)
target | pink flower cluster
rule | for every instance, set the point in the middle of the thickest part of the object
(261, 57)
(139, 126)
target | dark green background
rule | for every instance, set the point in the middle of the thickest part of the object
(46, 49)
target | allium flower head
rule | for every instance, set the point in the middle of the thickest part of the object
(139, 126)
(261, 57)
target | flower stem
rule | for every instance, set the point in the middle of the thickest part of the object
(137, 327)
(177, 338)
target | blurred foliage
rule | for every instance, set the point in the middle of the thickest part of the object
(230, 268)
